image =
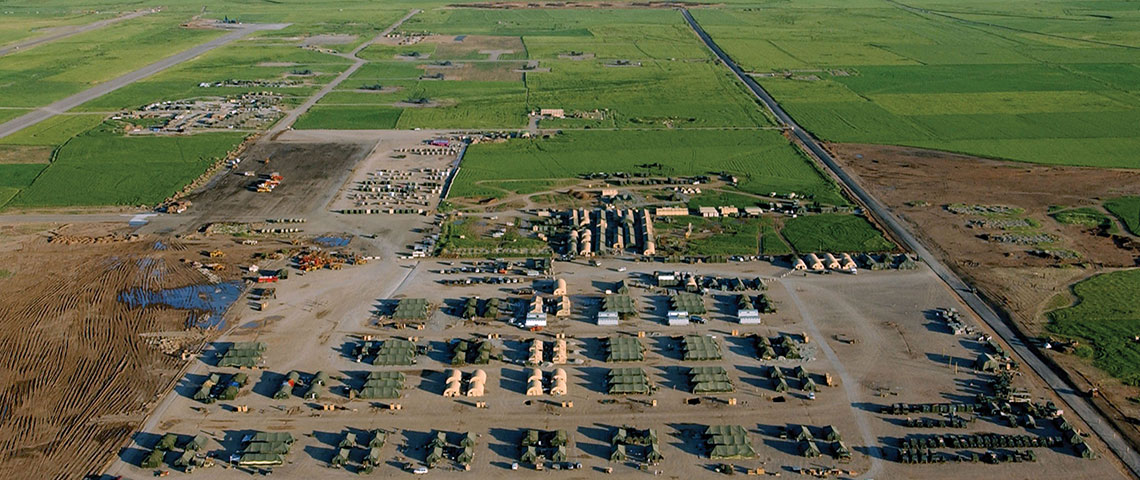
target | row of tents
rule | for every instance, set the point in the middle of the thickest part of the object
(624, 349)
(538, 446)
(710, 379)
(728, 442)
(701, 347)
(392, 351)
(188, 458)
(372, 448)
(243, 355)
(626, 381)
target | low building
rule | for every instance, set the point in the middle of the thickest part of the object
(748, 316)
(708, 212)
(552, 112)
(677, 318)
(535, 320)
(729, 211)
(608, 319)
(670, 211)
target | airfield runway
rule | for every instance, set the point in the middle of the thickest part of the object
(43, 113)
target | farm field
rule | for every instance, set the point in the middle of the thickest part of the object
(425, 211)
(634, 69)
(711, 236)
(1105, 316)
(830, 232)
(1127, 210)
(28, 25)
(1052, 88)
(55, 70)
(763, 160)
(103, 167)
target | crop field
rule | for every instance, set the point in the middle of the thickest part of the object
(27, 25)
(242, 61)
(831, 232)
(103, 167)
(637, 69)
(1106, 316)
(55, 70)
(710, 237)
(350, 118)
(1008, 83)
(1127, 209)
(763, 160)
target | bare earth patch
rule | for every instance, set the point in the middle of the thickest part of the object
(24, 154)
(917, 184)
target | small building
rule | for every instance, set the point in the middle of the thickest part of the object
(552, 112)
(748, 316)
(729, 211)
(798, 264)
(753, 211)
(813, 262)
(608, 319)
(676, 318)
(707, 212)
(832, 262)
(535, 320)
(670, 211)
(609, 192)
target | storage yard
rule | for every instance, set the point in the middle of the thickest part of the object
(830, 337)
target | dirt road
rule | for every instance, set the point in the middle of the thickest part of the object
(46, 112)
(290, 118)
(1078, 403)
(64, 32)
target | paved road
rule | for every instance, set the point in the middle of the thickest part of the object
(64, 32)
(287, 122)
(46, 112)
(1076, 401)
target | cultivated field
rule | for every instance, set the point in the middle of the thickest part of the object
(1105, 318)
(763, 160)
(1008, 82)
(427, 149)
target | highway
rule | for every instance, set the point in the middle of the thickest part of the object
(64, 32)
(43, 113)
(1076, 401)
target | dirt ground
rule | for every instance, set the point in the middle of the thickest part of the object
(80, 370)
(899, 355)
(903, 178)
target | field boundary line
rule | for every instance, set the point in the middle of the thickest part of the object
(969, 295)
(286, 123)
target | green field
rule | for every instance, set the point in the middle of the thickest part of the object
(103, 167)
(468, 237)
(763, 160)
(349, 118)
(670, 82)
(1127, 209)
(54, 70)
(831, 232)
(1044, 84)
(710, 237)
(1084, 216)
(54, 130)
(1106, 316)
